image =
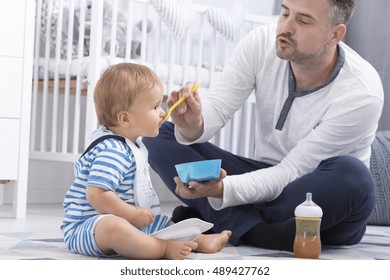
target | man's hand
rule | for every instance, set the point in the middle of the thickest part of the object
(188, 115)
(213, 188)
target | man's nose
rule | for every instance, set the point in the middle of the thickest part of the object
(288, 26)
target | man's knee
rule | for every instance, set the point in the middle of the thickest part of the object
(345, 162)
(356, 178)
(354, 182)
(350, 171)
(352, 177)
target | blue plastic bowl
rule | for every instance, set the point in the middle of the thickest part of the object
(200, 171)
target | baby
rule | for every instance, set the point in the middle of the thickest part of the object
(112, 208)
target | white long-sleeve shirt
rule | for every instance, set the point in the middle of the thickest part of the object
(338, 118)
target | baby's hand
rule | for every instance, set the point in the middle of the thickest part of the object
(142, 217)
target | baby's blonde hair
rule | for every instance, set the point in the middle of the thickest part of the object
(118, 87)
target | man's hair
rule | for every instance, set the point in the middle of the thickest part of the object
(118, 87)
(340, 11)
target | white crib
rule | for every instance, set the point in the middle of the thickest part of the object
(193, 47)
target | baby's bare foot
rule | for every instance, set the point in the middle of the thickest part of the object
(179, 250)
(212, 243)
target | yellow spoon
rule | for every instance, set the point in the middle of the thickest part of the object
(168, 113)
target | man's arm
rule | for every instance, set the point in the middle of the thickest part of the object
(341, 134)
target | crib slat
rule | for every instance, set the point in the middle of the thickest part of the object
(250, 132)
(114, 20)
(94, 66)
(220, 137)
(65, 127)
(80, 57)
(226, 47)
(157, 45)
(144, 33)
(129, 31)
(171, 66)
(37, 46)
(212, 57)
(55, 129)
(235, 132)
(200, 49)
(187, 46)
(46, 78)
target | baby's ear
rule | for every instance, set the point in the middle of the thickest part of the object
(123, 118)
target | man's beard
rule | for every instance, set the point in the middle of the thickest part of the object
(307, 59)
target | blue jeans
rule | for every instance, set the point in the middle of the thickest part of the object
(342, 186)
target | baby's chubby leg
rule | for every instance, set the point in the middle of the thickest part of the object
(115, 234)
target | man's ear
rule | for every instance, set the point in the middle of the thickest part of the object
(124, 119)
(338, 34)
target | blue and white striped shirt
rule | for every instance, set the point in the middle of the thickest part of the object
(110, 165)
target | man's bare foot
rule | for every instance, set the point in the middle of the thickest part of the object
(179, 250)
(212, 243)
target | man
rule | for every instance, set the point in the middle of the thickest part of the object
(317, 108)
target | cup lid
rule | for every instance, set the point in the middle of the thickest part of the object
(308, 208)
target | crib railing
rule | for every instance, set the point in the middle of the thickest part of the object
(76, 39)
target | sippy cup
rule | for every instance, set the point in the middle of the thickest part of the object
(307, 242)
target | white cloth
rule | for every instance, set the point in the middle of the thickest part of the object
(227, 21)
(179, 15)
(144, 193)
(338, 119)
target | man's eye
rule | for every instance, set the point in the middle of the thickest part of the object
(304, 21)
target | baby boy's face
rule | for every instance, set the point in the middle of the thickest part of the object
(147, 112)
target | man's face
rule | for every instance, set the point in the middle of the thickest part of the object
(303, 33)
